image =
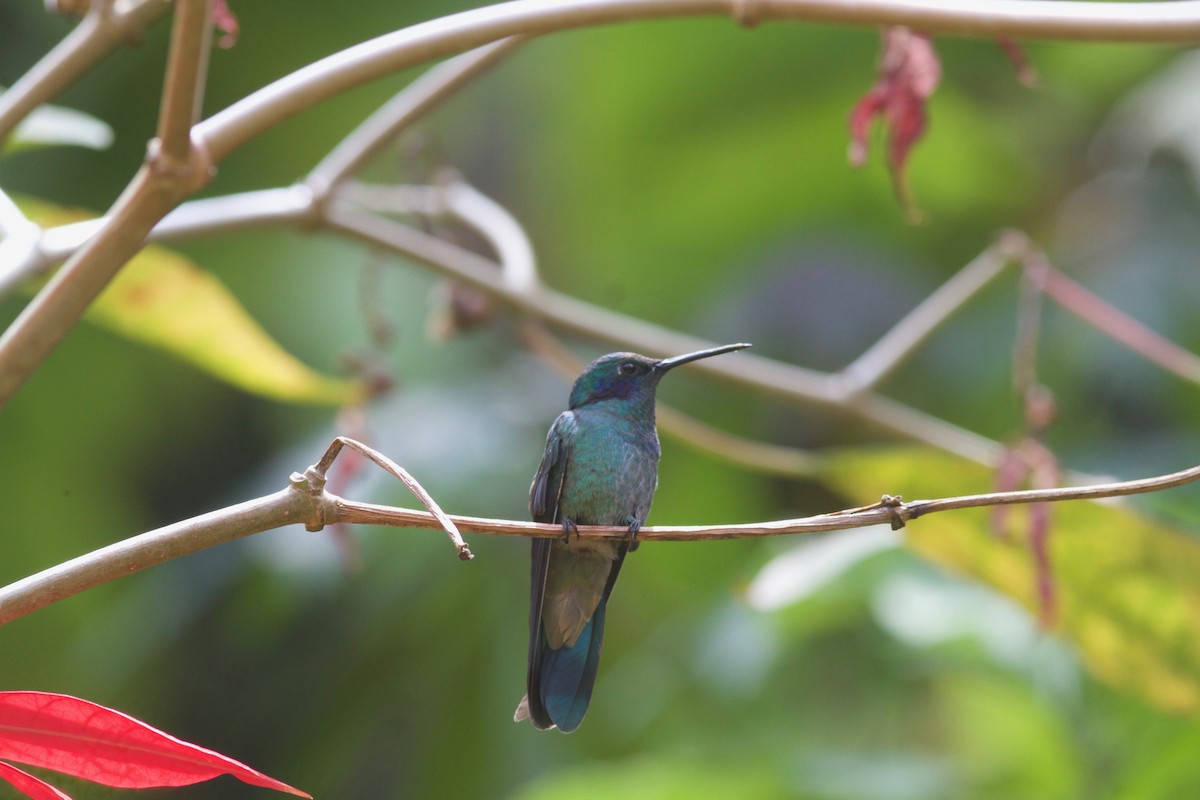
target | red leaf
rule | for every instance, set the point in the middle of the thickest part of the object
(36, 788)
(89, 741)
(909, 71)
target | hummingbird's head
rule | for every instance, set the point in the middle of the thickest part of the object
(626, 376)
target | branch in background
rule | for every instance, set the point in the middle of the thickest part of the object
(895, 346)
(1120, 326)
(174, 169)
(405, 108)
(305, 501)
(787, 382)
(107, 25)
(1047, 19)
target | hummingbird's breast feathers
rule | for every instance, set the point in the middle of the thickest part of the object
(612, 468)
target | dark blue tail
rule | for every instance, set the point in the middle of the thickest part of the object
(563, 679)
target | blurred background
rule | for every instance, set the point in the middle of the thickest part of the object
(692, 173)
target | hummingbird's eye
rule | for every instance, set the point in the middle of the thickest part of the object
(628, 368)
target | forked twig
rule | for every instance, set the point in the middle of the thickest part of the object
(317, 472)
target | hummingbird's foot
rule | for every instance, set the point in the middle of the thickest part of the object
(569, 527)
(635, 525)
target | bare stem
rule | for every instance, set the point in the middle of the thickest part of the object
(60, 304)
(785, 381)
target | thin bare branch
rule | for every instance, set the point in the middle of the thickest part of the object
(413, 102)
(36, 253)
(883, 357)
(1096, 491)
(890, 511)
(1122, 327)
(518, 265)
(504, 233)
(60, 304)
(1029, 326)
(455, 199)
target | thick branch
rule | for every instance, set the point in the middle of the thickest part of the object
(48, 318)
(154, 547)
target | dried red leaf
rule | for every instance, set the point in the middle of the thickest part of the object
(1044, 474)
(1039, 535)
(1010, 472)
(1028, 462)
(87, 740)
(30, 785)
(909, 71)
(226, 22)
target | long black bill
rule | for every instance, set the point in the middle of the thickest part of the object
(670, 363)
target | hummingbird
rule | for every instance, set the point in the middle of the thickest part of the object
(600, 467)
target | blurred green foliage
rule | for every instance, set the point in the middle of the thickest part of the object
(693, 173)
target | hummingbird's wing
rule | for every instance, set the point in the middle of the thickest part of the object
(548, 480)
(543, 505)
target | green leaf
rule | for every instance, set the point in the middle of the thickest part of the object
(1128, 585)
(163, 300)
(49, 126)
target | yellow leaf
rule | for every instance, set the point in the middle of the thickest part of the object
(162, 300)
(1128, 586)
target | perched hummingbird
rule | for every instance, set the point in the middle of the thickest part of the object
(600, 468)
